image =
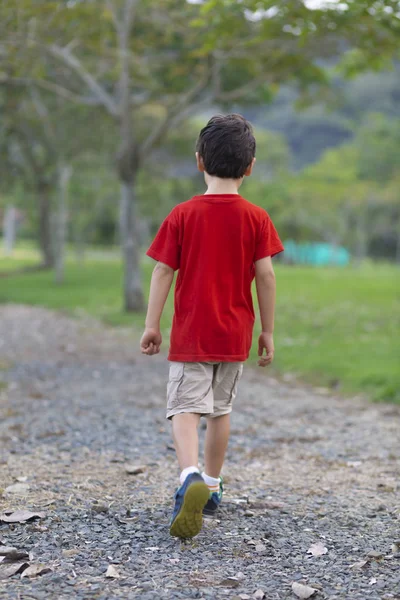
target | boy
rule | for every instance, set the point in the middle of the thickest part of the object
(219, 242)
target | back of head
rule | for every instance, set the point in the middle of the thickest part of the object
(227, 146)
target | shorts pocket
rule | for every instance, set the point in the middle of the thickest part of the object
(176, 373)
(238, 376)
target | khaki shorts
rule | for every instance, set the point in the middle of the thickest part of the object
(202, 388)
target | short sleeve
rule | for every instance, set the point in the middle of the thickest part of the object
(268, 243)
(165, 247)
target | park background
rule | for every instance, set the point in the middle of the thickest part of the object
(100, 107)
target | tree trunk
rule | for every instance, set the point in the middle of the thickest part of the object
(9, 229)
(64, 175)
(361, 236)
(398, 243)
(133, 292)
(45, 226)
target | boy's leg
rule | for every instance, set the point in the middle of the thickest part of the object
(186, 439)
(217, 438)
(189, 396)
(225, 381)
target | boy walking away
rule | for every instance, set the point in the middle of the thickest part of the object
(219, 242)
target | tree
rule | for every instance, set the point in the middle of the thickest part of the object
(176, 57)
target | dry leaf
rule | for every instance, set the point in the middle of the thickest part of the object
(134, 470)
(317, 549)
(20, 516)
(70, 552)
(17, 488)
(112, 572)
(35, 570)
(359, 565)
(231, 582)
(11, 554)
(395, 547)
(303, 591)
(258, 595)
(10, 570)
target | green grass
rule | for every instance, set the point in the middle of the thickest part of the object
(334, 327)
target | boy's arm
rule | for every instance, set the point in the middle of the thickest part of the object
(266, 291)
(161, 282)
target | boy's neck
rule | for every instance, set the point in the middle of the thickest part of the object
(216, 185)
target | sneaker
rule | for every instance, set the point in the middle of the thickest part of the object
(214, 500)
(190, 499)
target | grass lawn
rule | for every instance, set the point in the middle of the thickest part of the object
(334, 327)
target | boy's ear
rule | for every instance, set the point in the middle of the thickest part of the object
(200, 163)
(250, 168)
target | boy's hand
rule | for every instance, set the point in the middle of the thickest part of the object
(150, 342)
(266, 342)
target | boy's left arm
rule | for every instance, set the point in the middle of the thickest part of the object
(161, 282)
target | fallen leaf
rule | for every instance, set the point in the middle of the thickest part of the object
(35, 570)
(112, 572)
(395, 547)
(231, 582)
(17, 488)
(10, 570)
(372, 581)
(258, 595)
(359, 565)
(134, 470)
(317, 549)
(20, 516)
(71, 552)
(266, 505)
(11, 554)
(302, 591)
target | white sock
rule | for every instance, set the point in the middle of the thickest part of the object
(186, 472)
(212, 482)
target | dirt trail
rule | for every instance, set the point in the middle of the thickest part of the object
(78, 404)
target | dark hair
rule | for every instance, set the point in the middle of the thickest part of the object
(227, 146)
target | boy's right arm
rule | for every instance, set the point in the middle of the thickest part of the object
(266, 291)
(161, 282)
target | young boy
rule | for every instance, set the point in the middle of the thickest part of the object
(218, 241)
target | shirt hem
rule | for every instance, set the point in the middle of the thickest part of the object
(207, 357)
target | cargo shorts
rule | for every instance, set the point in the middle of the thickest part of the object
(205, 388)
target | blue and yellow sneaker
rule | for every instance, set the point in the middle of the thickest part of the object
(190, 499)
(214, 500)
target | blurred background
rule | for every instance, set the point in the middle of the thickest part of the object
(100, 106)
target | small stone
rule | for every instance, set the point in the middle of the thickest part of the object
(134, 469)
(99, 508)
(375, 555)
(249, 513)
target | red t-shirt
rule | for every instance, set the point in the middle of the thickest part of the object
(214, 241)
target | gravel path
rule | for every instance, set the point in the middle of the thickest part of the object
(79, 406)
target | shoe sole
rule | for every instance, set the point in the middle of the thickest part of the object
(189, 520)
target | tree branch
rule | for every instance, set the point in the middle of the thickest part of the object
(175, 114)
(75, 65)
(50, 87)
